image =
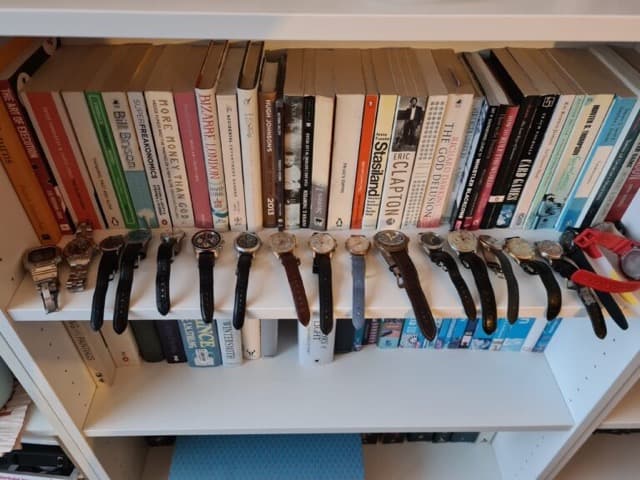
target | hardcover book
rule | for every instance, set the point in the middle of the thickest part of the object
(200, 343)
(122, 347)
(412, 336)
(171, 341)
(230, 342)
(251, 344)
(314, 347)
(457, 332)
(390, 332)
(308, 122)
(94, 352)
(146, 335)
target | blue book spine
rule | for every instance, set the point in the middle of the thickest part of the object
(469, 331)
(390, 332)
(432, 343)
(547, 335)
(500, 334)
(411, 337)
(200, 341)
(481, 340)
(459, 327)
(596, 161)
(517, 334)
(441, 338)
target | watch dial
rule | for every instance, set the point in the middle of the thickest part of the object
(490, 242)
(520, 248)
(550, 249)
(247, 241)
(111, 243)
(322, 243)
(282, 242)
(206, 239)
(78, 246)
(358, 244)
(44, 254)
(431, 240)
(631, 264)
(390, 238)
(138, 236)
(463, 241)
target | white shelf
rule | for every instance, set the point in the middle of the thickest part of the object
(383, 297)
(626, 415)
(37, 429)
(404, 20)
(454, 390)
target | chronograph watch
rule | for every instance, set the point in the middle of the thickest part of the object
(207, 245)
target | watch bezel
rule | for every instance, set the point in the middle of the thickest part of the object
(111, 243)
(624, 261)
(30, 264)
(549, 249)
(240, 249)
(379, 240)
(491, 243)
(424, 238)
(319, 249)
(215, 249)
(291, 238)
(516, 252)
(352, 246)
(458, 244)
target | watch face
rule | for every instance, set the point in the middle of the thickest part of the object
(42, 254)
(463, 241)
(490, 242)
(431, 241)
(390, 238)
(520, 248)
(282, 242)
(322, 243)
(247, 242)
(550, 249)
(78, 246)
(630, 264)
(358, 244)
(114, 242)
(138, 236)
(206, 239)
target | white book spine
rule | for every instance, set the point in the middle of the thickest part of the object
(93, 351)
(230, 342)
(269, 337)
(232, 160)
(314, 347)
(346, 144)
(551, 136)
(162, 113)
(123, 347)
(434, 113)
(208, 116)
(250, 148)
(534, 334)
(379, 159)
(80, 118)
(447, 156)
(321, 169)
(251, 339)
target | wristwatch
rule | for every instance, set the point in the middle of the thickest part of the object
(111, 248)
(207, 245)
(433, 245)
(283, 245)
(392, 245)
(465, 244)
(525, 255)
(323, 245)
(170, 246)
(553, 253)
(42, 264)
(78, 253)
(358, 246)
(134, 250)
(246, 244)
(493, 252)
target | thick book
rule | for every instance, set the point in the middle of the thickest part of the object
(171, 341)
(629, 189)
(251, 339)
(122, 347)
(443, 331)
(459, 329)
(345, 333)
(94, 352)
(482, 340)
(230, 342)
(200, 343)
(308, 119)
(146, 336)
(314, 347)
(390, 332)
(269, 337)
(412, 336)
(279, 149)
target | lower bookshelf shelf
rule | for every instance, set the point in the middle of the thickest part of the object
(626, 415)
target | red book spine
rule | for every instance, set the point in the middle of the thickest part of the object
(187, 113)
(364, 158)
(494, 165)
(624, 198)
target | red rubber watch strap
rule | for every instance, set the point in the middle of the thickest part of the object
(603, 284)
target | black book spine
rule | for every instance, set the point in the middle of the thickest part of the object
(344, 335)
(278, 158)
(146, 335)
(308, 114)
(525, 161)
(171, 341)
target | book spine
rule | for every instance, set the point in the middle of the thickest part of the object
(390, 332)
(117, 108)
(51, 123)
(314, 347)
(372, 328)
(497, 340)
(321, 172)
(547, 334)
(308, 115)
(501, 138)
(268, 165)
(534, 334)
(142, 125)
(411, 336)
(551, 137)
(93, 351)
(146, 335)
(467, 336)
(379, 159)
(171, 341)
(212, 150)
(164, 125)
(190, 137)
(250, 148)
(599, 161)
(517, 334)
(627, 191)
(123, 347)
(279, 162)
(346, 141)
(459, 328)
(440, 341)
(447, 158)
(251, 333)
(232, 160)
(230, 342)
(24, 129)
(269, 337)
(364, 159)
(112, 159)
(527, 156)
(200, 343)
(292, 161)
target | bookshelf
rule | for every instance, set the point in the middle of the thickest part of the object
(37, 428)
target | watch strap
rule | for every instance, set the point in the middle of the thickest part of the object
(125, 283)
(358, 271)
(163, 274)
(513, 290)
(604, 284)
(554, 294)
(590, 238)
(322, 267)
(49, 294)
(594, 311)
(242, 283)
(77, 279)
(487, 297)
(106, 268)
(446, 261)
(290, 263)
(419, 303)
(206, 262)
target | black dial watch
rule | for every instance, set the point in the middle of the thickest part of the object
(246, 244)
(392, 245)
(323, 246)
(111, 248)
(170, 246)
(207, 245)
(525, 255)
(466, 244)
(493, 252)
(433, 245)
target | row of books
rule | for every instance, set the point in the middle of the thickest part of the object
(226, 135)
(433, 437)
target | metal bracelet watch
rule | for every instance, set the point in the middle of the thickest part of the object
(170, 246)
(78, 253)
(433, 245)
(246, 245)
(111, 248)
(207, 245)
(323, 245)
(466, 244)
(42, 263)
(358, 246)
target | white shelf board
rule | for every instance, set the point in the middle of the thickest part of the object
(403, 20)
(626, 415)
(455, 390)
(383, 297)
(37, 428)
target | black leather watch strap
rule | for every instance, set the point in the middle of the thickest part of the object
(411, 283)
(446, 261)
(513, 291)
(290, 263)
(106, 268)
(125, 283)
(487, 297)
(322, 267)
(554, 294)
(206, 262)
(242, 283)
(163, 274)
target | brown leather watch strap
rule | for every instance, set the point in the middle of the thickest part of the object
(290, 262)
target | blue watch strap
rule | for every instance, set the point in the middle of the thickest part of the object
(358, 266)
